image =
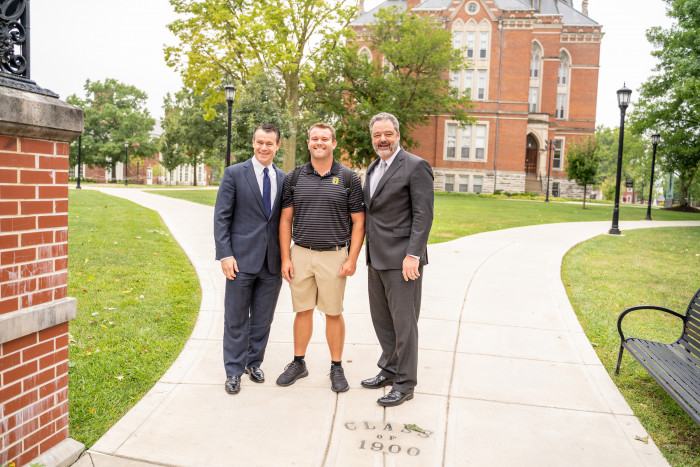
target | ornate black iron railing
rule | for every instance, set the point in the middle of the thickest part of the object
(14, 48)
(14, 37)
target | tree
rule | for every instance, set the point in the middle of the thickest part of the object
(670, 99)
(409, 82)
(223, 40)
(582, 163)
(636, 159)
(114, 113)
(189, 134)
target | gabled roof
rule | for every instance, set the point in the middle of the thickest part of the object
(368, 16)
(563, 8)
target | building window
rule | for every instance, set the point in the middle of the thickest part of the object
(457, 39)
(466, 142)
(555, 189)
(470, 44)
(481, 85)
(454, 79)
(563, 75)
(449, 183)
(451, 140)
(201, 173)
(469, 83)
(464, 183)
(532, 100)
(535, 4)
(557, 154)
(472, 8)
(472, 142)
(365, 54)
(480, 142)
(483, 45)
(477, 183)
(535, 58)
(561, 105)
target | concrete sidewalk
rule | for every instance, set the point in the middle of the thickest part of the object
(506, 374)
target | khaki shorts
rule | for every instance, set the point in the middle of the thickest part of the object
(316, 282)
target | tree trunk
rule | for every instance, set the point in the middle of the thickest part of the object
(290, 143)
(114, 172)
(584, 196)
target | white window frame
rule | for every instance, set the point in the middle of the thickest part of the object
(472, 190)
(365, 54)
(533, 99)
(478, 131)
(463, 182)
(558, 149)
(562, 108)
(452, 178)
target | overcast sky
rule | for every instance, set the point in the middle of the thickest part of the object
(75, 40)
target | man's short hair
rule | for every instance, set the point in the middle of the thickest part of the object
(384, 116)
(324, 126)
(268, 128)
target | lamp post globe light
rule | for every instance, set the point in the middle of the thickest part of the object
(623, 100)
(230, 93)
(126, 163)
(655, 138)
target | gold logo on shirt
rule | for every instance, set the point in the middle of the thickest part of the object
(335, 180)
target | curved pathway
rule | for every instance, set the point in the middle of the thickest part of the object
(506, 374)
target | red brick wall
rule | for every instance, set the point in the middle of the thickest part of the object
(33, 271)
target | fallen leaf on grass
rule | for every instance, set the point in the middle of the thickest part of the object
(103, 326)
(120, 377)
(643, 405)
(92, 411)
(86, 260)
(643, 439)
(412, 427)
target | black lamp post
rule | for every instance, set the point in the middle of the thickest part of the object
(230, 93)
(549, 145)
(126, 164)
(623, 100)
(654, 142)
(80, 145)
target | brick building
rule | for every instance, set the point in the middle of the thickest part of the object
(532, 76)
(146, 172)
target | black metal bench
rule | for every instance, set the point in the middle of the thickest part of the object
(675, 366)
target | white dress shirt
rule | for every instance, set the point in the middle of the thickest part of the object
(258, 167)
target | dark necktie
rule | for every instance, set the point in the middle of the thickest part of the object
(267, 190)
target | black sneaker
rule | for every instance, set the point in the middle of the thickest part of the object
(338, 381)
(292, 372)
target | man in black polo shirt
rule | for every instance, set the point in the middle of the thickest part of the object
(325, 251)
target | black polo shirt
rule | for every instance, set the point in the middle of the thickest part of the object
(322, 208)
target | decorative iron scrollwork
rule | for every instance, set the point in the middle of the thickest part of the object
(13, 36)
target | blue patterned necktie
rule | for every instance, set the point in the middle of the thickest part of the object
(267, 190)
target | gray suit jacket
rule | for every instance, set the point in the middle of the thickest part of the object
(241, 227)
(399, 216)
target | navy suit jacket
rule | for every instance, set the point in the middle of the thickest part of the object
(241, 227)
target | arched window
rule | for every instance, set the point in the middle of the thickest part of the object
(535, 60)
(365, 54)
(564, 65)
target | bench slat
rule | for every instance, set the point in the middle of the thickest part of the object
(649, 356)
(675, 363)
(689, 347)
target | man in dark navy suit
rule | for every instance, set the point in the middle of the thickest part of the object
(246, 232)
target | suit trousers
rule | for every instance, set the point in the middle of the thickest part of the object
(249, 306)
(395, 307)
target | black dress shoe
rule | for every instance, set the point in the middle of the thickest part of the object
(233, 384)
(256, 374)
(394, 398)
(377, 382)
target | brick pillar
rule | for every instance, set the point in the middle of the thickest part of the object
(35, 131)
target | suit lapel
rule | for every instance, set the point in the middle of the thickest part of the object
(253, 183)
(368, 175)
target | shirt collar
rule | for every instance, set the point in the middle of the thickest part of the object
(335, 168)
(258, 167)
(393, 156)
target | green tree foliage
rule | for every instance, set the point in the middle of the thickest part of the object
(670, 99)
(409, 82)
(224, 40)
(252, 108)
(582, 163)
(114, 113)
(636, 160)
(189, 136)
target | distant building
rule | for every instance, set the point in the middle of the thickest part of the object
(533, 77)
(148, 172)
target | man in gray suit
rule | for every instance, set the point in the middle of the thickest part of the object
(399, 213)
(246, 232)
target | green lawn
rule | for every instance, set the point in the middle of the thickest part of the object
(138, 298)
(607, 274)
(459, 215)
